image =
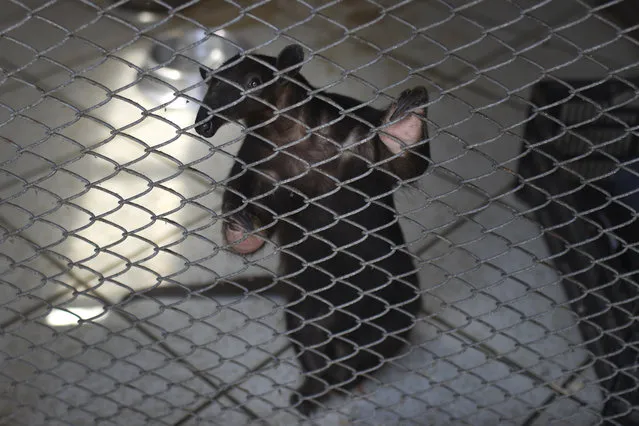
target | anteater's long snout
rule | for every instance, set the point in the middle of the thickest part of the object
(209, 124)
(205, 129)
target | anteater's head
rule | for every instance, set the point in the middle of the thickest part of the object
(244, 86)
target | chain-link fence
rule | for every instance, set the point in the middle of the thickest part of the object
(130, 212)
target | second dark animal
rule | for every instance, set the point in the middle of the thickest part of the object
(318, 171)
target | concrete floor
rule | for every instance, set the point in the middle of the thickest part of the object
(73, 220)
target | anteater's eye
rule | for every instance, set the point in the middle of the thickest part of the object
(254, 82)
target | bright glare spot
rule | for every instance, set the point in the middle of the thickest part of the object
(146, 17)
(221, 33)
(70, 316)
(169, 73)
(216, 55)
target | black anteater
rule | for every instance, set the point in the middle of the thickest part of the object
(318, 171)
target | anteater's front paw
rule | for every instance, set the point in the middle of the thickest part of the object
(239, 234)
(409, 99)
(405, 128)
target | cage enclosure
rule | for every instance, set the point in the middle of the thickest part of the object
(124, 302)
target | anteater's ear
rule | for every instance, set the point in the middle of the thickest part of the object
(290, 56)
(203, 73)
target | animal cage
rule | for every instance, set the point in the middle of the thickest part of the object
(517, 221)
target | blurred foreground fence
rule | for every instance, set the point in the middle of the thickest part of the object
(523, 230)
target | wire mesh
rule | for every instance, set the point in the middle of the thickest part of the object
(521, 231)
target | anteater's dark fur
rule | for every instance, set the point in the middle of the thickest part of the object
(352, 287)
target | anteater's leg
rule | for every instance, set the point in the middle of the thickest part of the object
(311, 341)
